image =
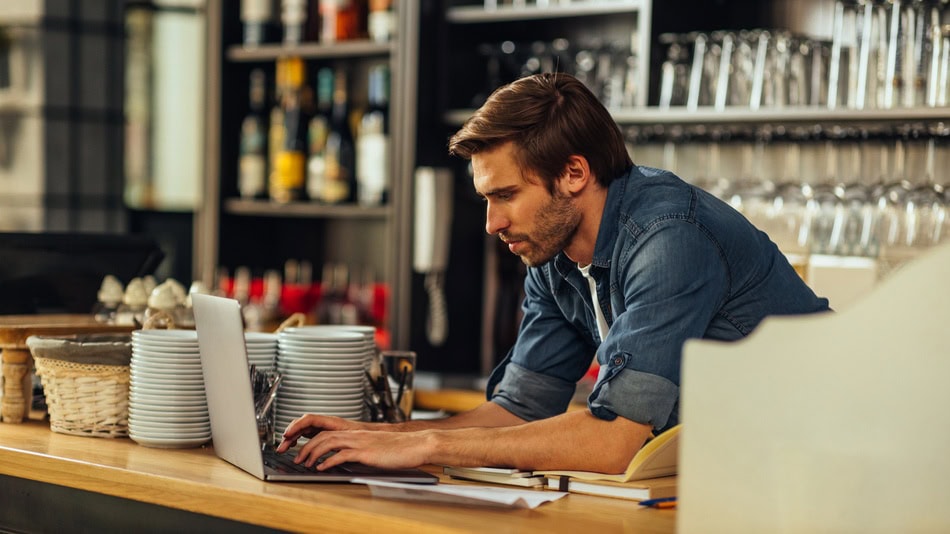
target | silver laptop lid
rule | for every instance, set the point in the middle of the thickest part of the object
(224, 363)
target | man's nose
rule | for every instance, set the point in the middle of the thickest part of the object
(495, 221)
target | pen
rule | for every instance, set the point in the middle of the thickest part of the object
(666, 502)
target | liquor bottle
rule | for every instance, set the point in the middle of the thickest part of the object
(340, 156)
(342, 20)
(255, 15)
(293, 15)
(287, 179)
(372, 147)
(252, 165)
(275, 132)
(317, 133)
(381, 21)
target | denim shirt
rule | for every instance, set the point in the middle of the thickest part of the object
(671, 262)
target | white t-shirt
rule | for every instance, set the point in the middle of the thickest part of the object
(601, 321)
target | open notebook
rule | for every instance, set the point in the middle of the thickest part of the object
(231, 405)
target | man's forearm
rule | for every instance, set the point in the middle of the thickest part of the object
(572, 441)
(488, 414)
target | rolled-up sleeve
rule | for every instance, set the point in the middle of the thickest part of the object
(530, 395)
(539, 376)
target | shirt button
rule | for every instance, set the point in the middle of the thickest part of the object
(618, 360)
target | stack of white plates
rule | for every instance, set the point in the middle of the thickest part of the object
(323, 372)
(261, 349)
(167, 403)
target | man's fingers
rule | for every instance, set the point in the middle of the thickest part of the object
(342, 456)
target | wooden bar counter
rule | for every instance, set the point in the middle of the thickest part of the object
(192, 486)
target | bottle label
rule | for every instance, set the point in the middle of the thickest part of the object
(251, 173)
(381, 25)
(287, 179)
(372, 168)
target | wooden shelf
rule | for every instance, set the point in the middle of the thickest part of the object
(556, 9)
(681, 115)
(264, 208)
(342, 49)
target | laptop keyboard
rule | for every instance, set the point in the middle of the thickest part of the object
(284, 463)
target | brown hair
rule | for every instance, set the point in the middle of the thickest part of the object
(549, 117)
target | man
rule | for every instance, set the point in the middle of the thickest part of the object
(625, 262)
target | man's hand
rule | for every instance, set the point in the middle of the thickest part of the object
(309, 425)
(391, 450)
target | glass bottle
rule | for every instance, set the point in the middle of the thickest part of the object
(252, 165)
(293, 15)
(317, 133)
(381, 21)
(340, 150)
(287, 178)
(372, 148)
(342, 20)
(255, 16)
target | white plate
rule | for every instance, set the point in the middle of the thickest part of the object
(182, 397)
(320, 387)
(165, 374)
(160, 443)
(175, 412)
(304, 370)
(164, 348)
(140, 344)
(166, 357)
(316, 358)
(325, 358)
(368, 332)
(312, 394)
(170, 336)
(330, 388)
(146, 426)
(292, 395)
(168, 416)
(141, 376)
(259, 337)
(285, 418)
(162, 364)
(321, 333)
(346, 404)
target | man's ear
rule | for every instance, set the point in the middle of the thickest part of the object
(577, 175)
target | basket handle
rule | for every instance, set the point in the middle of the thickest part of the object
(158, 321)
(296, 319)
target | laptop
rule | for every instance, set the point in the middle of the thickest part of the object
(234, 435)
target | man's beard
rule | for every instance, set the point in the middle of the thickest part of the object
(555, 225)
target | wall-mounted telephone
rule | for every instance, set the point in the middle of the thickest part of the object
(432, 230)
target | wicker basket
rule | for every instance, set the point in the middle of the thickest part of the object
(86, 399)
(86, 382)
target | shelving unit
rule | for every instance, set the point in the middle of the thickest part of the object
(682, 116)
(478, 14)
(345, 49)
(377, 236)
(262, 208)
(614, 13)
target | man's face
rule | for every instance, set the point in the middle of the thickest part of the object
(535, 224)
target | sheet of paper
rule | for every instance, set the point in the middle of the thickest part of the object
(469, 495)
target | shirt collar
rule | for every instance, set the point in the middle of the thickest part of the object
(609, 225)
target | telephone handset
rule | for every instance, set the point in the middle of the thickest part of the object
(432, 230)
